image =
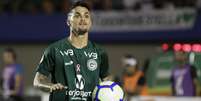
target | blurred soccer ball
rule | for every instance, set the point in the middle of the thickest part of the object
(108, 91)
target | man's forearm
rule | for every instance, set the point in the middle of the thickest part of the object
(197, 85)
(18, 81)
(42, 82)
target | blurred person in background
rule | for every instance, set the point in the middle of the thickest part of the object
(183, 77)
(107, 5)
(132, 4)
(12, 77)
(102, 5)
(48, 7)
(64, 6)
(134, 82)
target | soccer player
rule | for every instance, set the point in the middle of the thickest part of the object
(12, 77)
(75, 64)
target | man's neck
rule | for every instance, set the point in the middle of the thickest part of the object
(78, 41)
(10, 63)
(181, 65)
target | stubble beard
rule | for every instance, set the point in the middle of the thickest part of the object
(79, 32)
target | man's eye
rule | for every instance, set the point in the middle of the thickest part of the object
(86, 16)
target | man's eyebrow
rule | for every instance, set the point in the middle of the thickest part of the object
(77, 13)
(86, 13)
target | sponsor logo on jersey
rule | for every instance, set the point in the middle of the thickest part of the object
(91, 55)
(92, 64)
(67, 52)
(79, 82)
(78, 93)
(69, 63)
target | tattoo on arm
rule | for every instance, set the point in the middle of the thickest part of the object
(42, 82)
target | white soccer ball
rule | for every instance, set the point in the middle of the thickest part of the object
(108, 91)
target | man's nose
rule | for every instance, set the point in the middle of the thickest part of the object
(82, 18)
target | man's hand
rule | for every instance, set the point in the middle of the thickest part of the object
(57, 86)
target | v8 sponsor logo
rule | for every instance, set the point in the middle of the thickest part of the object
(91, 55)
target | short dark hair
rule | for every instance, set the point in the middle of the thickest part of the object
(12, 51)
(80, 3)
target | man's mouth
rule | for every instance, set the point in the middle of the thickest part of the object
(82, 23)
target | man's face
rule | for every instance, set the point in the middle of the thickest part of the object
(8, 58)
(130, 70)
(180, 57)
(80, 20)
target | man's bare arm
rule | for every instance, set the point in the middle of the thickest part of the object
(18, 79)
(42, 82)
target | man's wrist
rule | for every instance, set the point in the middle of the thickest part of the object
(50, 89)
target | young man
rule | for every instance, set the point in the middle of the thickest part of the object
(75, 64)
(183, 77)
(12, 76)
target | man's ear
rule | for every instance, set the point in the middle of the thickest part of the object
(68, 19)
(68, 22)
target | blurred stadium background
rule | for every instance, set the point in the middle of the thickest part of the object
(150, 30)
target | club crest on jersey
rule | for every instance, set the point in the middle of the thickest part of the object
(92, 64)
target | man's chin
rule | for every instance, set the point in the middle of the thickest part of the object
(82, 31)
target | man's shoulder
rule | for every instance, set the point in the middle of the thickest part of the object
(98, 47)
(57, 43)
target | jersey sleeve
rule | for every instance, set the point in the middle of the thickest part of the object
(46, 64)
(104, 65)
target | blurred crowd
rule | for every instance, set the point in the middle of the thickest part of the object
(183, 77)
(62, 6)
